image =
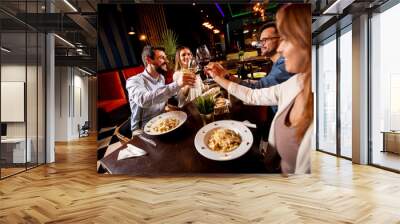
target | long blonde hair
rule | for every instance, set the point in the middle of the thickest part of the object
(178, 63)
(294, 23)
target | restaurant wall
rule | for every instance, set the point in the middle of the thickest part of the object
(114, 48)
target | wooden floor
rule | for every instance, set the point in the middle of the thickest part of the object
(387, 159)
(70, 191)
(10, 171)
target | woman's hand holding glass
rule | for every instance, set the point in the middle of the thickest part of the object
(187, 78)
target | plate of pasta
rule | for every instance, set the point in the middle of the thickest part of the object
(165, 123)
(223, 140)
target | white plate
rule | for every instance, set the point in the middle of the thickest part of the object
(202, 136)
(179, 115)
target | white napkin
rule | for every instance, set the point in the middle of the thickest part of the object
(131, 151)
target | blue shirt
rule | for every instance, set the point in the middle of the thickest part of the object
(148, 97)
(277, 75)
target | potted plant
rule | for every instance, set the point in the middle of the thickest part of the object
(205, 105)
(169, 40)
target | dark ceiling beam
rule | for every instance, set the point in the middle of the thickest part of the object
(80, 20)
(86, 26)
(82, 61)
(45, 22)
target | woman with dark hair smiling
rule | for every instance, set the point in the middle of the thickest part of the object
(291, 130)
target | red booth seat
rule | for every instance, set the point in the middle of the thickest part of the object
(111, 105)
(110, 91)
(129, 72)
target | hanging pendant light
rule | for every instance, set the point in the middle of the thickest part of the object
(131, 32)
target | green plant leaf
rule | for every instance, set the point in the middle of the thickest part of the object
(205, 104)
(169, 40)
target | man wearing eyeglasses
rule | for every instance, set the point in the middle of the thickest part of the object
(269, 39)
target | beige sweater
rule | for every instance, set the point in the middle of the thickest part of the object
(281, 95)
(193, 92)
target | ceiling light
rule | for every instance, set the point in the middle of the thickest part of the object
(131, 32)
(206, 23)
(201, 10)
(194, 3)
(79, 50)
(70, 5)
(5, 50)
(245, 31)
(142, 37)
(216, 31)
(84, 71)
(65, 41)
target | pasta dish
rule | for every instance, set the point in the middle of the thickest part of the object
(224, 140)
(166, 125)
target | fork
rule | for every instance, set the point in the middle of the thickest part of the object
(150, 141)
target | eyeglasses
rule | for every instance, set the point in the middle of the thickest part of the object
(263, 40)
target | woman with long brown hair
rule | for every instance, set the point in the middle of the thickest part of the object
(291, 130)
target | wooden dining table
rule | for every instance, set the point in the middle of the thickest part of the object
(175, 152)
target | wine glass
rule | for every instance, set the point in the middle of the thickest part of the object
(192, 65)
(193, 68)
(203, 57)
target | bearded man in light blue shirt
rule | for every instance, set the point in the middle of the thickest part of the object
(148, 93)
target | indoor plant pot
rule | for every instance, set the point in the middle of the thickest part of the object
(205, 105)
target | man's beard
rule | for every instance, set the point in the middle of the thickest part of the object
(269, 53)
(160, 70)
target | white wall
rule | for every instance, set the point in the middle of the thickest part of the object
(33, 127)
(16, 72)
(71, 102)
(61, 103)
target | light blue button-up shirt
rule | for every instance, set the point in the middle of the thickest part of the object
(148, 97)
